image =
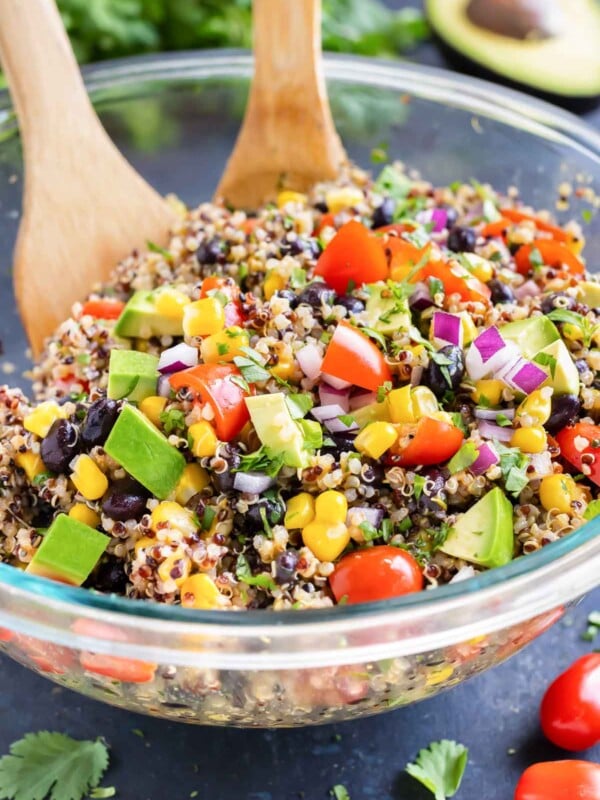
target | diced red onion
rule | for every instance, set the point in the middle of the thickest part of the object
(310, 360)
(416, 375)
(329, 395)
(489, 430)
(163, 388)
(252, 482)
(358, 514)
(361, 399)
(335, 425)
(337, 383)
(421, 298)
(439, 217)
(176, 358)
(447, 329)
(327, 412)
(523, 376)
(486, 458)
(527, 289)
(492, 413)
(488, 354)
(463, 574)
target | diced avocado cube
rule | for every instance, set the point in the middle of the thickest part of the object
(142, 450)
(140, 318)
(384, 312)
(588, 292)
(276, 429)
(69, 551)
(530, 335)
(374, 412)
(484, 534)
(563, 374)
(132, 375)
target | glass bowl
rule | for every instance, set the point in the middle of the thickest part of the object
(175, 117)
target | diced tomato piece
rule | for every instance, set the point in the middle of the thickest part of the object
(554, 254)
(403, 256)
(127, 670)
(351, 356)
(496, 228)
(327, 221)
(429, 441)
(582, 439)
(102, 309)
(228, 287)
(376, 573)
(353, 257)
(456, 280)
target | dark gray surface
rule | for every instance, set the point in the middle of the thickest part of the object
(491, 714)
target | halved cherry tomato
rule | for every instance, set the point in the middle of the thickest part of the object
(228, 287)
(570, 710)
(352, 257)
(213, 384)
(375, 573)
(579, 440)
(351, 356)
(554, 254)
(102, 309)
(327, 221)
(560, 780)
(429, 441)
(127, 670)
(557, 233)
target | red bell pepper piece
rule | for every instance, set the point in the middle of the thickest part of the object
(102, 309)
(213, 384)
(579, 440)
(429, 441)
(127, 670)
(456, 280)
(514, 215)
(570, 710)
(554, 254)
(376, 573)
(353, 257)
(228, 287)
(560, 780)
(351, 356)
(496, 228)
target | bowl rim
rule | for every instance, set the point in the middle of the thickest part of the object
(573, 553)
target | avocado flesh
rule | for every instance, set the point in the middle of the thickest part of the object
(276, 429)
(566, 377)
(140, 319)
(386, 314)
(588, 292)
(142, 450)
(530, 335)
(484, 534)
(131, 374)
(69, 551)
(567, 65)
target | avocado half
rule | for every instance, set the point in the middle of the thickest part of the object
(565, 63)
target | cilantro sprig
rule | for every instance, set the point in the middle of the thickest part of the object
(587, 326)
(440, 767)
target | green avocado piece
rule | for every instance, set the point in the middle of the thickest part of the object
(142, 450)
(69, 551)
(140, 319)
(588, 292)
(131, 374)
(565, 63)
(563, 374)
(374, 412)
(276, 429)
(384, 312)
(530, 335)
(484, 534)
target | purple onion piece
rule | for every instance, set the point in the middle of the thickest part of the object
(310, 360)
(335, 425)
(439, 217)
(489, 343)
(374, 516)
(527, 289)
(174, 359)
(252, 482)
(328, 396)
(489, 430)
(337, 383)
(421, 298)
(323, 413)
(164, 386)
(447, 329)
(362, 399)
(486, 458)
(492, 413)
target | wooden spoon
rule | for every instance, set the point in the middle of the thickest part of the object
(288, 139)
(84, 206)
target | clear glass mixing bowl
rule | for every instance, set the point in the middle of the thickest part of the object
(175, 117)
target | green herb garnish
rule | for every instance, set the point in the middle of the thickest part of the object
(466, 456)
(244, 573)
(440, 768)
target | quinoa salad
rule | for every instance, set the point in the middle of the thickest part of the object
(373, 389)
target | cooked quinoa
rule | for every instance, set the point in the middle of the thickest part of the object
(281, 312)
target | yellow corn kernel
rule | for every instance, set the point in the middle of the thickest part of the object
(375, 439)
(143, 543)
(400, 405)
(287, 196)
(152, 407)
(344, 197)
(200, 591)
(558, 492)
(224, 345)
(576, 245)
(88, 478)
(175, 515)
(31, 464)
(204, 439)
(537, 406)
(274, 282)
(572, 332)
(285, 367)
(424, 402)
(170, 303)
(85, 514)
(530, 440)
(482, 269)
(469, 329)
(41, 418)
(203, 317)
(300, 511)
(331, 506)
(488, 391)
(193, 479)
(439, 674)
(174, 568)
(327, 541)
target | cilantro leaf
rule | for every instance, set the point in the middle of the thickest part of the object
(173, 420)
(261, 461)
(514, 468)
(252, 366)
(535, 258)
(339, 792)
(466, 456)
(440, 768)
(244, 574)
(52, 765)
(154, 248)
(392, 182)
(299, 404)
(419, 483)
(546, 360)
(503, 420)
(373, 334)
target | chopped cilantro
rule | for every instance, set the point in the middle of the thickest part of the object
(436, 287)
(261, 461)
(173, 421)
(546, 360)
(503, 420)
(252, 366)
(387, 529)
(369, 532)
(514, 468)
(442, 361)
(208, 517)
(155, 248)
(587, 326)
(244, 574)
(458, 421)
(373, 334)
(587, 215)
(298, 278)
(392, 182)
(535, 258)
(84, 359)
(238, 380)
(439, 535)
(299, 404)
(419, 482)
(405, 524)
(313, 434)
(440, 768)
(379, 154)
(383, 391)
(339, 792)
(418, 237)
(41, 478)
(222, 348)
(347, 419)
(593, 509)
(466, 456)
(490, 211)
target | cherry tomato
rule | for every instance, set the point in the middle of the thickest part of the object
(228, 287)
(570, 710)
(102, 309)
(351, 356)
(213, 383)
(572, 443)
(554, 254)
(127, 670)
(560, 780)
(429, 441)
(352, 257)
(375, 573)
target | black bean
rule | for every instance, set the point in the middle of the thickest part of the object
(341, 443)
(285, 566)
(60, 445)
(565, 411)
(289, 295)
(461, 239)
(125, 499)
(210, 251)
(501, 292)
(232, 455)
(322, 207)
(432, 500)
(442, 377)
(352, 304)
(315, 294)
(101, 417)
(582, 366)
(384, 213)
(272, 509)
(110, 576)
(301, 245)
(558, 300)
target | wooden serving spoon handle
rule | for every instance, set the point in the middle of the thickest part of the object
(84, 207)
(288, 138)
